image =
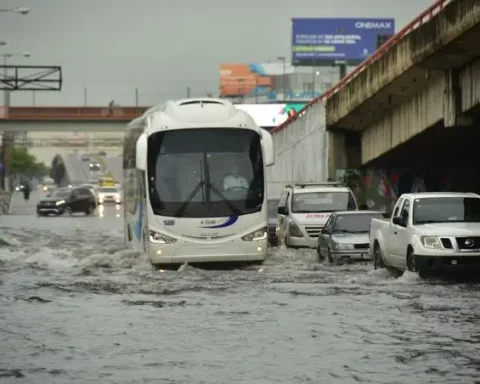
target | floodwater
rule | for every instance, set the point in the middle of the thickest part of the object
(77, 307)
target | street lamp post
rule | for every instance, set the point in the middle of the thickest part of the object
(284, 80)
(8, 138)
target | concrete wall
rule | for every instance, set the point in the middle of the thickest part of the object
(469, 79)
(301, 151)
(412, 117)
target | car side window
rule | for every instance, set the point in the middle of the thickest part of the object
(405, 211)
(283, 199)
(396, 212)
(328, 224)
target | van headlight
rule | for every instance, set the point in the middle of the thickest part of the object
(158, 238)
(431, 242)
(342, 247)
(259, 234)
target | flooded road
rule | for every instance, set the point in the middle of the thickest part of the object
(77, 307)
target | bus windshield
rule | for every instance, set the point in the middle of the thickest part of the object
(208, 172)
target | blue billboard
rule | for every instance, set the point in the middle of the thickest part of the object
(328, 41)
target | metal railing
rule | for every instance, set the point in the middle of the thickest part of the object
(95, 142)
(73, 113)
(425, 16)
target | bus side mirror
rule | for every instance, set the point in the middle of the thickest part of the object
(141, 152)
(268, 148)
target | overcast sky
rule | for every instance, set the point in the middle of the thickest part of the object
(161, 46)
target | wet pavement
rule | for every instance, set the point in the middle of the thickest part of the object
(77, 307)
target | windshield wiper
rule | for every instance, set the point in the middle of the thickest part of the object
(232, 206)
(190, 197)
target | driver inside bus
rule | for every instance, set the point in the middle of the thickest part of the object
(235, 180)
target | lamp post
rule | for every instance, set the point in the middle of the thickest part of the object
(284, 80)
(8, 139)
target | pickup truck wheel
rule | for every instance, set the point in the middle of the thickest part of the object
(319, 254)
(411, 262)
(377, 257)
(329, 256)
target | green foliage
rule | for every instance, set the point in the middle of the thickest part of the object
(25, 163)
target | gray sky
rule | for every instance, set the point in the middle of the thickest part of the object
(161, 46)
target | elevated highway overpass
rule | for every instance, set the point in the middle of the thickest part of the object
(413, 104)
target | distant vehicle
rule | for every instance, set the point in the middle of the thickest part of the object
(346, 236)
(85, 158)
(94, 188)
(272, 227)
(47, 184)
(67, 200)
(429, 232)
(109, 195)
(304, 208)
(178, 206)
(94, 166)
(107, 182)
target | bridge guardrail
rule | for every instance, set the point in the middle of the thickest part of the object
(73, 113)
(66, 143)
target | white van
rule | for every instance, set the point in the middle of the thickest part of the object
(304, 208)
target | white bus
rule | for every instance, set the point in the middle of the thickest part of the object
(195, 183)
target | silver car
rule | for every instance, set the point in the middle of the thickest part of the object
(346, 236)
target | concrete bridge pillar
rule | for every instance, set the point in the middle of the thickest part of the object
(344, 151)
(452, 101)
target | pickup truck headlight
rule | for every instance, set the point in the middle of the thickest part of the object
(259, 234)
(158, 238)
(431, 242)
(342, 247)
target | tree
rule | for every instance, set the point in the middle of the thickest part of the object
(25, 163)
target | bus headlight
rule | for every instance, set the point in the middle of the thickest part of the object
(259, 234)
(158, 238)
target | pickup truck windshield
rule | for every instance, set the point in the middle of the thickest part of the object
(311, 202)
(446, 210)
(355, 223)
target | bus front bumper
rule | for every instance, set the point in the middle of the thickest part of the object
(179, 253)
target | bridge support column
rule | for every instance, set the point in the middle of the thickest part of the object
(452, 101)
(344, 151)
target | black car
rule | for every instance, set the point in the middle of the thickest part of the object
(67, 200)
(272, 226)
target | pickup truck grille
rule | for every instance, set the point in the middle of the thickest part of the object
(468, 243)
(313, 230)
(447, 244)
(361, 246)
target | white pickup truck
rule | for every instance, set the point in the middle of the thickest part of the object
(427, 232)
